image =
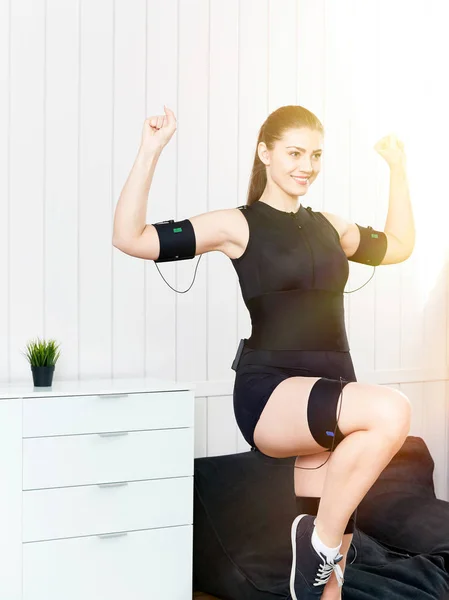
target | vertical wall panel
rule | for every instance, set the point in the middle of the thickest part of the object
(61, 179)
(425, 145)
(5, 33)
(221, 428)
(96, 106)
(128, 306)
(414, 392)
(282, 53)
(445, 496)
(435, 431)
(27, 179)
(200, 427)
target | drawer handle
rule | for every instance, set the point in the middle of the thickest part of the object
(107, 485)
(112, 395)
(114, 434)
(111, 535)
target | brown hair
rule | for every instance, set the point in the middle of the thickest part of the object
(272, 130)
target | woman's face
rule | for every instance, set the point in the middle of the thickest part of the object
(295, 161)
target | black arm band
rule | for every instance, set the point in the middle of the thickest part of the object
(176, 240)
(372, 247)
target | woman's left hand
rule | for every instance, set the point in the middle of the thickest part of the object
(392, 150)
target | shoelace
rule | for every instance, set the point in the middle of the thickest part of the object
(325, 571)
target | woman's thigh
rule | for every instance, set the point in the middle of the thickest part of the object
(283, 429)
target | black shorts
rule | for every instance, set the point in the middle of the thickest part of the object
(260, 371)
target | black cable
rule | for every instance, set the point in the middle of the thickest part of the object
(194, 275)
(366, 283)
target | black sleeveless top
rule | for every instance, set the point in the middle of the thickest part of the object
(292, 275)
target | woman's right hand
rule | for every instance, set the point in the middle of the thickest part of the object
(157, 131)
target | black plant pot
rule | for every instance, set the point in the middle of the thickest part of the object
(42, 376)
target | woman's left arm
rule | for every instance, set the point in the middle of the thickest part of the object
(399, 226)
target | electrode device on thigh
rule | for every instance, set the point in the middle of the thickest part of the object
(177, 242)
(321, 410)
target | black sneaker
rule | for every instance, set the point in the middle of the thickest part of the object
(310, 569)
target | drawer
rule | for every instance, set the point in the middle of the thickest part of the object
(106, 458)
(66, 415)
(86, 510)
(137, 566)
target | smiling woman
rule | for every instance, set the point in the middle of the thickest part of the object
(292, 265)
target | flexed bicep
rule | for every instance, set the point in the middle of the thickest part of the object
(364, 245)
(172, 240)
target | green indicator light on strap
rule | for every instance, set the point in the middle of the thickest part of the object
(177, 230)
(374, 235)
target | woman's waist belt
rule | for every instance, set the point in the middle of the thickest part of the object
(298, 320)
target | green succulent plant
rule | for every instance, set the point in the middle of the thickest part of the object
(42, 353)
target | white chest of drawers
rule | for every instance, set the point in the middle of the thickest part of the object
(96, 498)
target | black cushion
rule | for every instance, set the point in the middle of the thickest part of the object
(244, 506)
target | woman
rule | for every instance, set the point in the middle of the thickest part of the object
(292, 264)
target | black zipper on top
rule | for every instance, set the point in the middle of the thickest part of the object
(304, 236)
(293, 215)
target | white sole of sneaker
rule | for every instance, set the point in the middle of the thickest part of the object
(293, 538)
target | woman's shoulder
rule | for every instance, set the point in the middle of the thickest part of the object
(338, 224)
(237, 233)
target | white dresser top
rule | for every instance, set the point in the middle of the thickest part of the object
(26, 389)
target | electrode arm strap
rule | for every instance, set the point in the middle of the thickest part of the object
(372, 247)
(176, 240)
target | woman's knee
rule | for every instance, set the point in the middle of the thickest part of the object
(393, 413)
(367, 406)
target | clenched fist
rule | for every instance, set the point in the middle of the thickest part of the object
(392, 150)
(157, 131)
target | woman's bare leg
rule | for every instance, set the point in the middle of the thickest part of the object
(360, 458)
(310, 484)
(375, 421)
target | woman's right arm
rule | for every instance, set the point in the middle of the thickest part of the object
(131, 209)
(211, 231)
(131, 234)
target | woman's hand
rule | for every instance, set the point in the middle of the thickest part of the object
(157, 132)
(392, 150)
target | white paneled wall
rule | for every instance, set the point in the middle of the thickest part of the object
(78, 78)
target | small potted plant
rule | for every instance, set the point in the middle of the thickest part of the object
(42, 356)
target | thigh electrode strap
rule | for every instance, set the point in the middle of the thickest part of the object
(372, 247)
(176, 240)
(322, 412)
